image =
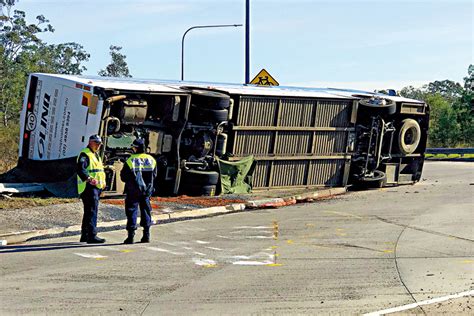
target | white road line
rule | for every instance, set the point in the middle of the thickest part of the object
(413, 305)
(204, 262)
(202, 242)
(253, 227)
(214, 248)
(199, 253)
(252, 263)
(165, 250)
(90, 255)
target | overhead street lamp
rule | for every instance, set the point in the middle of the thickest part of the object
(199, 27)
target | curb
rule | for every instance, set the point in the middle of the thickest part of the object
(22, 236)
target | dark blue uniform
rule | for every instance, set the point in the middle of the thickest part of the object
(90, 199)
(139, 174)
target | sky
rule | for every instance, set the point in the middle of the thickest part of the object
(370, 44)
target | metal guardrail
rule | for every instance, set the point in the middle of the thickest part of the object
(448, 151)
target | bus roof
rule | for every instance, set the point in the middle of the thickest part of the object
(176, 86)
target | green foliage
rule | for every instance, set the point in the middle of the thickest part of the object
(451, 104)
(9, 137)
(118, 67)
(23, 52)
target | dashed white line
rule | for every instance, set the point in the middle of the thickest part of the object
(165, 250)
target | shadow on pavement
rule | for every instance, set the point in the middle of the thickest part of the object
(50, 246)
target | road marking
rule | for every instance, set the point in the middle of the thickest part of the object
(289, 241)
(214, 248)
(274, 265)
(202, 242)
(165, 250)
(199, 253)
(208, 263)
(252, 263)
(253, 227)
(467, 261)
(344, 214)
(90, 255)
(258, 237)
(413, 305)
(127, 250)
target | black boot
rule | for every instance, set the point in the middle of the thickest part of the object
(129, 239)
(146, 235)
(83, 237)
(95, 240)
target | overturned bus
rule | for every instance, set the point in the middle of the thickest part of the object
(299, 137)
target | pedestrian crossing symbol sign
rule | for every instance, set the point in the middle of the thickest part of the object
(263, 78)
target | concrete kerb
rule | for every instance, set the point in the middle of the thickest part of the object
(22, 236)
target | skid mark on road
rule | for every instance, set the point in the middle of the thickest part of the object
(344, 214)
(428, 231)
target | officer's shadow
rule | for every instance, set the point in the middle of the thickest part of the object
(50, 246)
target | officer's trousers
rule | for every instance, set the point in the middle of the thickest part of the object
(90, 199)
(132, 203)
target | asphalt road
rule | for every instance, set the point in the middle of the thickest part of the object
(409, 248)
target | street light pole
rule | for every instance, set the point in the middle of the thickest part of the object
(198, 27)
(247, 41)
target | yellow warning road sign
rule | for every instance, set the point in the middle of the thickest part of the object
(263, 78)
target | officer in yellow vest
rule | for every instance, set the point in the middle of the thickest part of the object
(90, 183)
(139, 175)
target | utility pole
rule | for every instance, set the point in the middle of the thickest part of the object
(247, 41)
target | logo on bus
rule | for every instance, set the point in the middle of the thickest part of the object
(31, 122)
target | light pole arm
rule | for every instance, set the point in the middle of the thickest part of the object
(198, 27)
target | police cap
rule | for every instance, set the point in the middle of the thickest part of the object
(139, 143)
(95, 138)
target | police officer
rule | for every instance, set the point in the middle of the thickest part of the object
(139, 174)
(90, 183)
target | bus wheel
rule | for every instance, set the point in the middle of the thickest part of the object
(193, 177)
(376, 179)
(205, 190)
(206, 115)
(210, 100)
(409, 136)
(378, 106)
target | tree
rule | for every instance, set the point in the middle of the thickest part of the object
(118, 67)
(22, 52)
(444, 128)
(447, 88)
(464, 108)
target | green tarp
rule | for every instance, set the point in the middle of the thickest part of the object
(236, 176)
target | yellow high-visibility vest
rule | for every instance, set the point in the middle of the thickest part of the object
(141, 162)
(95, 170)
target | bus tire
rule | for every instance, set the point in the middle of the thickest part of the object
(409, 136)
(211, 100)
(192, 177)
(378, 109)
(376, 180)
(206, 115)
(205, 190)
